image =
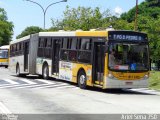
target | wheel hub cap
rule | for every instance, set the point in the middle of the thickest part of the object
(82, 79)
(45, 71)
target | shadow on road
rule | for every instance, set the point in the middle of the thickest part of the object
(108, 91)
(120, 91)
(32, 77)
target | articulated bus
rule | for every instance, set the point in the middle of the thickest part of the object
(4, 55)
(84, 57)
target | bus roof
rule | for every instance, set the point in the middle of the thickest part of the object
(75, 33)
(21, 39)
(78, 33)
(4, 47)
(58, 34)
(91, 33)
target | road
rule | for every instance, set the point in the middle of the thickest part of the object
(32, 95)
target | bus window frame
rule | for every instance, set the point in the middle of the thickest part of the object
(68, 49)
(84, 50)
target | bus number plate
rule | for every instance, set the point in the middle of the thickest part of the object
(129, 83)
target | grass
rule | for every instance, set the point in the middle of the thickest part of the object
(154, 80)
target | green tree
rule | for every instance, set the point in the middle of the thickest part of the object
(80, 18)
(154, 37)
(86, 18)
(29, 30)
(6, 28)
(148, 8)
(117, 23)
(148, 21)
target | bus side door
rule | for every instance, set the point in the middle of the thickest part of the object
(55, 56)
(98, 62)
(26, 52)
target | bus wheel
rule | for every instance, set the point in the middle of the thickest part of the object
(6, 66)
(45, 72)
(82, 80)
(17, 71)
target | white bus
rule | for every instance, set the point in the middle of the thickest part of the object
(83, 57)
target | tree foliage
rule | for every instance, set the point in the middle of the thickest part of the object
(148, 21)
(148, 8)
(6, 28)
(86, 18)
(29, 30)
(80, 18)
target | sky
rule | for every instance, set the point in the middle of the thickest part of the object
(24, 14)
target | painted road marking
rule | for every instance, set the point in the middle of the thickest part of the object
(10, 81)
(144, 90)
(27, 81)
(4, 109)
(23, 83)
(45, 81)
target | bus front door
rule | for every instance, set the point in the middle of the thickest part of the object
(55, 57)
(26, 52)
(98, 63)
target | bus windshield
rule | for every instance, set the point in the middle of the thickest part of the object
(3, 53)
(128, 57)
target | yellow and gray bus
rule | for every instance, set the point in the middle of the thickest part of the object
(4, 55)
(82, 57)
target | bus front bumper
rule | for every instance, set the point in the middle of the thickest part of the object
(3, 63)
(115, 83)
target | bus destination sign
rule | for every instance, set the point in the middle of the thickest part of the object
(127, 36)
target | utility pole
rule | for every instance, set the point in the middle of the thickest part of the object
(136, 16)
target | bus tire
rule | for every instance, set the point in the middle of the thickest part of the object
(6, 66)
(45, 72)
(82, 79)
(17, 70)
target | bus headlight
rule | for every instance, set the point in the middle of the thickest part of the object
(110, 75)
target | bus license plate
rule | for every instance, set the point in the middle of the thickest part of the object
(129, 83)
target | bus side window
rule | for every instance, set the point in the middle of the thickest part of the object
(49, 43)
(72, 56)
(14, 49)
(41, 47)
(45, 42)
(88, 46)
(48, 48)
(65, 43)
(19, 46)
(85, 44)
(10, 50)
(41, 42)
(22, 47)
(84, 54)
(64, 51)
(74, 44)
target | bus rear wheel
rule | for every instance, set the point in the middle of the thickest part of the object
(82, 80)
(45, 72)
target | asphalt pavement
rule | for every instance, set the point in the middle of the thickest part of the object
(31, 95)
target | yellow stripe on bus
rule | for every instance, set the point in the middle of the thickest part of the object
(92, 33)
(3, 60)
